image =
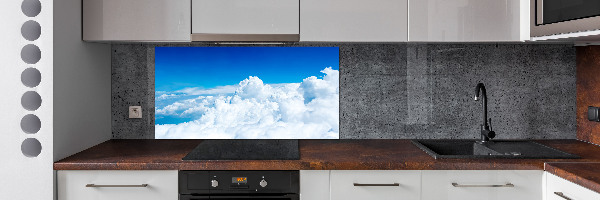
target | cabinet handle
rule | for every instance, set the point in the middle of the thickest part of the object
(505, 185)
(560, 194)
(94, 185)
(361, 184)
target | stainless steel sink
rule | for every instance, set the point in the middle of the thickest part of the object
(493, 149)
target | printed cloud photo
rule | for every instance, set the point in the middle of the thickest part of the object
(247, 93)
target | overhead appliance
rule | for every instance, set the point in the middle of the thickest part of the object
(563, 19)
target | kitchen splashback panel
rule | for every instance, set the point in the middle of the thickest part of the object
(407, 90)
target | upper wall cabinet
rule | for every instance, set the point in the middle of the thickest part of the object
(136, 20)
(245, 20)
(354, 20)
(468, 20)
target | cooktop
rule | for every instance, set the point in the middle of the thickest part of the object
(245, 150)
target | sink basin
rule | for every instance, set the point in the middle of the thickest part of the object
(495, 149)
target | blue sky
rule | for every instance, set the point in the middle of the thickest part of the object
(178, 68)
(207, 67)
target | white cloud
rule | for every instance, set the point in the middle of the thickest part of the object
(167, 96)
(254, 110)
(227, 89)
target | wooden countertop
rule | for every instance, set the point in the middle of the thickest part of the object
(314, 155)
(581, 173)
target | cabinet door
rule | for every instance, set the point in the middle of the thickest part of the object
(245, 17)
(354, 20)
(314, 184)
(136, 20)
(375, 185)
(482, 184)
(561, 189)
(117, 185)
(468, 20)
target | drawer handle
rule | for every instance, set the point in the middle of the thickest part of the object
(361, 184)
(94, 185)
(560, 194)
(505, 185)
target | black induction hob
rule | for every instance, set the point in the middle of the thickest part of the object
(245, 150)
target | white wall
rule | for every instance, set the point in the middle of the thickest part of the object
(82, 84)
(75, 92)
(24, 177)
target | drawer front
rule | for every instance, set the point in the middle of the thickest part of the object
(566, 190)
(161, 185)
(407, 185)
(482, 184)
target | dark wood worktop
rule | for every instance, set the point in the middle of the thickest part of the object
(314, 155)
(581, 173)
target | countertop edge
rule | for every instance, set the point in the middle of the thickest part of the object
(578, 179)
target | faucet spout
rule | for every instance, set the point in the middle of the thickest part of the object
(481, 88)
(486, 132)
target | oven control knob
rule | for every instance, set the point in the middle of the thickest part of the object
(214, 183)
(263, 183)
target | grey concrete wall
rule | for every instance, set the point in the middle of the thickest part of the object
(408, 90)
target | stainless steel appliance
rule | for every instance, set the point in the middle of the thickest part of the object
(555, 17)
(233, 185)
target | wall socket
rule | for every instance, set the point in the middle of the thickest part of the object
(135, 112)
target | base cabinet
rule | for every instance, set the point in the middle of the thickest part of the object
(340, 185)
(371, 185)
(561, 189)
(482, 184)
(314, 184)
(117, 185)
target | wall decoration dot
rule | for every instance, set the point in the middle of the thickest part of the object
(31, 54)
(31, 124)
(31, 100)
(31, 8)
(31, 77)
(31, 30)
(31, 147)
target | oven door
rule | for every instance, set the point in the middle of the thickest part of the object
(236, 197)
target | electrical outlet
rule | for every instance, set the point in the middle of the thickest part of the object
(135, 112)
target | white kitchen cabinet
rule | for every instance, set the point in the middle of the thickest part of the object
(219, 20)
(378, 184)
(117, 185)
(136, 20)
(354, 20)
(314, 184)
(468, 20)
(482, 184)
(561, 189)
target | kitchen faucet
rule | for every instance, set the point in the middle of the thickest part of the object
(486, 129)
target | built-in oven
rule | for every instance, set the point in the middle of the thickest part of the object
(234, 185)
(554, 17)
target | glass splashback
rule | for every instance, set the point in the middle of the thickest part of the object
(246, 92)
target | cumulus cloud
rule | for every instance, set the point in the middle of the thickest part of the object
(255, 110)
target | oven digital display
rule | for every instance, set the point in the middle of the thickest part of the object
(239, 180)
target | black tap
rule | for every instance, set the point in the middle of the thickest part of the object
(486, 130)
